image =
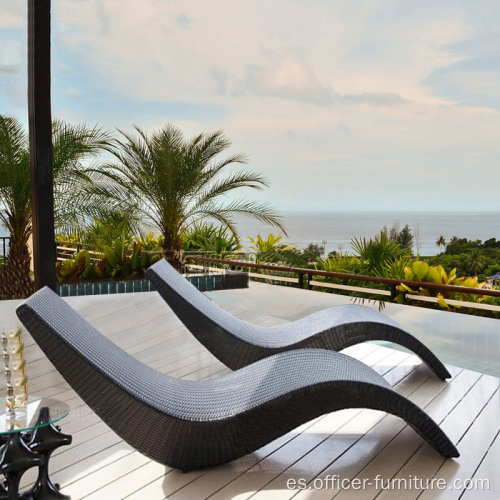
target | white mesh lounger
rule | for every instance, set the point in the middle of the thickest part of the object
(237, 343)
(194, 424)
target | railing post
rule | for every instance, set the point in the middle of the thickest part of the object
(394, 293)
(309, 286)
(300, 284)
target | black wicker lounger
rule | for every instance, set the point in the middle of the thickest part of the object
(194, 424)
(237, 343)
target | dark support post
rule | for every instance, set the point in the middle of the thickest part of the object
(309, 286)
(301, 281)
(40, 133)
(394, 293)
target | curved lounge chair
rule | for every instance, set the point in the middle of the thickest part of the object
(194, 424)
(237, 343)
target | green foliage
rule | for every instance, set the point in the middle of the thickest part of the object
(394, 269)
(341, 263)
(15, 189)
(475, 262)
(470, 257)
(268, 249)
(124, 260)
(77, 268)
(211, 240)
(108, 227)
(405, 239)
(458, 246)
(150, 242)
(376, 253)
(314, 250)
(72, 146)
(171, 183)
(402, 237)
(441, 242)
(424, 273)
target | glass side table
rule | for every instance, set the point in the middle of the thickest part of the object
(27, 440)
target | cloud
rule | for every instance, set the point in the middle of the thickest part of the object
(473, 80)
(374, 98)
(286, 78)
(393, 91)
(8, 70)
(183, 21)
(12, 15)
(220, 77)
(290, 78)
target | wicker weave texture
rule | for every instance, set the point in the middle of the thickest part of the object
(237, 343)
(196, 424)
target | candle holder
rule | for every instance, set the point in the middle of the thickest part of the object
(15, 371)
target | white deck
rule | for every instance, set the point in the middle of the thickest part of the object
(351, 443)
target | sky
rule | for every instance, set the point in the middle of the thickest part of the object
(342, 105)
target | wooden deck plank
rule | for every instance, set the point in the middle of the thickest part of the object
(351, 443)
(116, 489)
(475, 441)
(376, 448)
(487, 470)
(405, 448)
(358, 441)
(266, 461)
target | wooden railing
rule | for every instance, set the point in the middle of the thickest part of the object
(304, 278)
(67, 249)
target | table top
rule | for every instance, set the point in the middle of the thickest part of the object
(39, 412)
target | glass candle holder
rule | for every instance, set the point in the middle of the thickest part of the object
(16, 380)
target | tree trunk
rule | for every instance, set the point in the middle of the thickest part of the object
(15, 279)
(172, 250)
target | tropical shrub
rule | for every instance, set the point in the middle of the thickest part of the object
(394, 269)
(125, 260)
(376, 253)
(422, 272)
(75, 268)
(211, 241)
(339, 263)
(314, 250)
(150, 242)
(267, 250)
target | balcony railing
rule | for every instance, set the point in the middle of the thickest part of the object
(304, 278)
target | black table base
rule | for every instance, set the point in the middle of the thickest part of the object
(22, 451)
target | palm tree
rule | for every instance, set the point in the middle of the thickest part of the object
(475, 262)
(441, 242)
(71, 146)
(15, 207)
(173, 183)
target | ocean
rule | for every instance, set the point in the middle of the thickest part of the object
(338, 228)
